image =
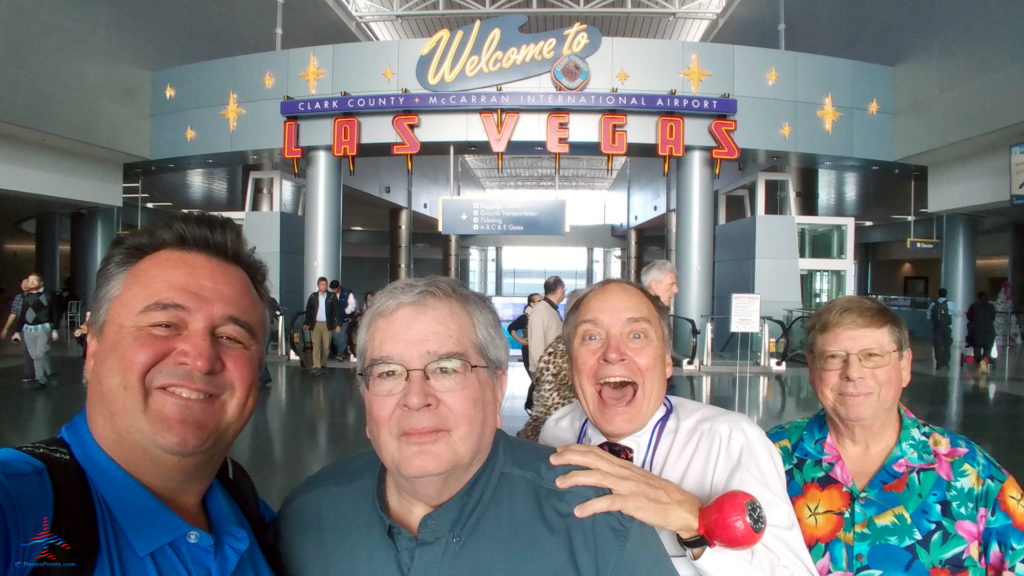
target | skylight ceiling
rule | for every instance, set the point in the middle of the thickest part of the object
(651, 19)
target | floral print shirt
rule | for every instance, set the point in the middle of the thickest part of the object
(939, 506)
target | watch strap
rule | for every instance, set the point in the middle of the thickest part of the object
(698, 541)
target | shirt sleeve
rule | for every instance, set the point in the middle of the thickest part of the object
(755, 467)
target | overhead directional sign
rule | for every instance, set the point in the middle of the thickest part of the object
(923, 243)
(468, 216)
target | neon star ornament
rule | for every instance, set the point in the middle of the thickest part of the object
(232, 111)
(695, 74)
(873, 108)
(190, 134)
(313, 73)
(772, 76)
(829, 114)
(268, 80)
(786, 130)
(622, 76)
(388, 74)
(170, 92)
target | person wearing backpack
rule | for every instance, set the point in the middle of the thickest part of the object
(139, 482)
(941, 312)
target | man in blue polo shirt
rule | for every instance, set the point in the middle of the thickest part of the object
(178, 327)
(444, 490)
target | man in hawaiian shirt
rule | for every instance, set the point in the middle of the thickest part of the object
(877, 490)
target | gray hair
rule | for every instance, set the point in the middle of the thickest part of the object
(572, 313)
(488, 337)
(206, 234)
(657, 270)
(855, 312)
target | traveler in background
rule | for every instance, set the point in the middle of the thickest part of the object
(353, 331)
(875, 489)
(13, 326)
(444, 490)
(41, 312)
(941, 313)
(545, 322)
(177, 330)
(659, 278)
(518, 327)
(345, 309)
(321, 320)
(981, 327)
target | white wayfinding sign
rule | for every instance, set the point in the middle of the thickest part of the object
(746, 313)
(472, 216)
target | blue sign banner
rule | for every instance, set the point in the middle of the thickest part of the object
(474, 216)
(494, 51)
(603, 102)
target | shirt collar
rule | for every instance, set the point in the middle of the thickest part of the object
(143, 518)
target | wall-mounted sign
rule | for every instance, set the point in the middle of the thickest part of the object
(624, 101)
(923, 243)
(1017, 175)
(468, 216)
(494, 51)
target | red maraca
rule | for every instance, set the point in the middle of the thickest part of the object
(734, 519)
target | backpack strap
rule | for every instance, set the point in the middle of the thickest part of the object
(73, 518)
(240, 486)
(74, 513)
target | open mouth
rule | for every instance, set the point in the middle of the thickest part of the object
(187, 393)
(617, 391)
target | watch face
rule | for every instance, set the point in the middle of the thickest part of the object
(755, 515)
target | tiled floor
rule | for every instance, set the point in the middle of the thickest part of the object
(303, 421)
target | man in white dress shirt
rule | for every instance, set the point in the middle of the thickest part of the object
(683, 453)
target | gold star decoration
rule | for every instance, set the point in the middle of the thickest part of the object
(829, 114)
(873, 108)
(388, 73)
(169, 92)
(312, 73)
(695, 73)
(622, 76)
(786, 130)
(190, 134)
(268, 80)
(232, 111)
(772, 76)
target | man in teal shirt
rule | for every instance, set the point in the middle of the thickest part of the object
(444, 490)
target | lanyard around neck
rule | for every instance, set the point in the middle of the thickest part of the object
(652, 443)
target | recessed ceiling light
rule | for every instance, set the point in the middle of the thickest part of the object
(874, 167)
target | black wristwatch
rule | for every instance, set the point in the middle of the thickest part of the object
(690, 544)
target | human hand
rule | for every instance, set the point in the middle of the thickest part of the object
(54, 335)
(16, 337)
(634, 491)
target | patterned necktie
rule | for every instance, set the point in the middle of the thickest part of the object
(618, 450)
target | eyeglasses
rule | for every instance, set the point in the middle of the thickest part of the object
(869, 358)
(444, 375)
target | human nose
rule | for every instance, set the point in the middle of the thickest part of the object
(612, 351)
(852, 366)
(200, 352)
(418, 393)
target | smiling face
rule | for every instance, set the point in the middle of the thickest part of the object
(422, 435)
(619, 360)
(174, 368)
(855, 396)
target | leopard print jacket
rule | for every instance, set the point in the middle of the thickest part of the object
(552, 388)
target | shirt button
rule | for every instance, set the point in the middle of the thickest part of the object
(862, 498)
(860, 558)
(456, 538)
(192, 537)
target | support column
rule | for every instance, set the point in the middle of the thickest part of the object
(451, 256)
(323, 218)
(48, 250)
(499, 271)
(401, 244)
(590, 265)
(632, 260)
(92, 232)
(958, 266)
(862, 257)
(695, 239)
(1016, 268)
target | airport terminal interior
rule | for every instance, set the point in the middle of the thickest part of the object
(889, 163)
